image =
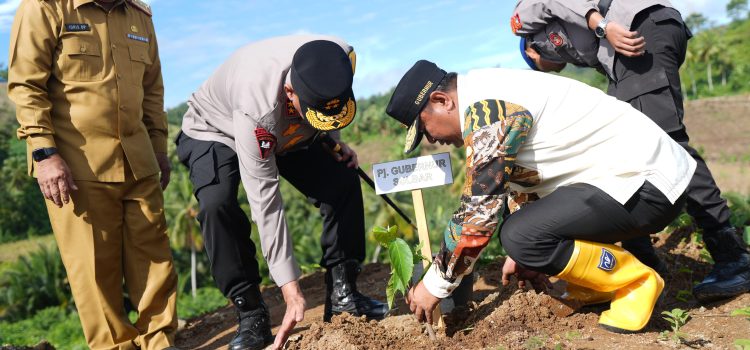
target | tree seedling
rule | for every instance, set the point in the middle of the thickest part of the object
(403, 258)
(676, 319)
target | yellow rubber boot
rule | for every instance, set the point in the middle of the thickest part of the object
(586, 296)
(609, 268)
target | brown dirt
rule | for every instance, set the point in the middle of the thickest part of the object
(499, 317)
(509, 318)
(718, 126)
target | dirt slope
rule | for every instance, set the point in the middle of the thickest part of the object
(499, 317)
(513, 319)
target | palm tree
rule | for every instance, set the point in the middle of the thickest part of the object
(34, 282)
(709, 49)
(182, 209)
(691, 60)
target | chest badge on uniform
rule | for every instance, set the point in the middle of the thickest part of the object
(607, 261)
(77, 27)
(266, 142)
(134, 29)
(556, 39)
(291, 112)
(142, 39)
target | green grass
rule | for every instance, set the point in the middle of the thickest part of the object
(59, 327)
(9, 252)
(63, 329)
(207, 300)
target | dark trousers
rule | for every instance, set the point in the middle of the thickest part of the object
(651, 84)
(541, 236)
(215, 174)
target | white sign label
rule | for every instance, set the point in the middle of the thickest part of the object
(413, 173)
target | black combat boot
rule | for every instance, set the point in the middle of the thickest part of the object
(254, 330)
(730, 275)
(342, 295)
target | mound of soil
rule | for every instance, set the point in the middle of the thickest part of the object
(500, 317)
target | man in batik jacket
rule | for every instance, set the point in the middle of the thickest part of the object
(603, 173)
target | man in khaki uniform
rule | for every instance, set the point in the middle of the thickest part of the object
(86, 79)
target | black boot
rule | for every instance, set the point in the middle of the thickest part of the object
(254, 330)
(342, 295)
(730, 275)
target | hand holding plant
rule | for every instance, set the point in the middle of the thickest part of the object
(403, 258)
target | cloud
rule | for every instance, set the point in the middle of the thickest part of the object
(7, 11)
(715, 10)
(363, 18)
(9, 6)
(377, 82)
(509, 59)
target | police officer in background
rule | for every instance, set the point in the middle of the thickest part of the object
(642, 64)
(259, 116)
(86, 79)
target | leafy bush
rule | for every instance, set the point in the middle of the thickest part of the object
(34, 282)
(740, 206)
(207, 300)
(22, 209)
(57, 325)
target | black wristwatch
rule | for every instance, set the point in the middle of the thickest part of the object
(41, 154)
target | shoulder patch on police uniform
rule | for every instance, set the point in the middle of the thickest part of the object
(607, 261)
(144, 7)
(515, 23)
(266, 142)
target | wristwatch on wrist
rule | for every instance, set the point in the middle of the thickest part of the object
(601, 28)
(41, 154)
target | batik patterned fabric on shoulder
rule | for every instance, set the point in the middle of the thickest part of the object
(494, 131)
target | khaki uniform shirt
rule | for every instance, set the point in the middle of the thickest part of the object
(243, 105)
(88, 82)
(560, 31)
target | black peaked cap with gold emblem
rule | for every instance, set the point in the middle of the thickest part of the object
(322, 76)
(410, 97)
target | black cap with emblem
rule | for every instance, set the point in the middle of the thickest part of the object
(322, 76)
(410, 97)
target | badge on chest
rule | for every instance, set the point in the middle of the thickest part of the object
(77, 27)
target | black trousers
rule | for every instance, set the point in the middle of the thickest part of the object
(651, 84)
(541, 236)
(329, 185)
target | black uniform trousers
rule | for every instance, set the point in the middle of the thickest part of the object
(330, 185)
(542, 235)
(651, 84)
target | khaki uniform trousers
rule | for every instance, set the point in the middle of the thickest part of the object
(111, 231)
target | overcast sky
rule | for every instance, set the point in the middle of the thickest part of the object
(389, 36)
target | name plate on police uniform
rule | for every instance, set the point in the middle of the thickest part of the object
(413, 173)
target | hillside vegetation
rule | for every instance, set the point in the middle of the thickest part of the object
(717, 65)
